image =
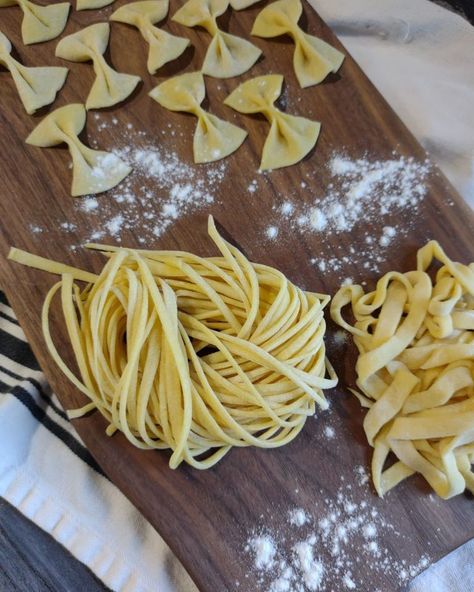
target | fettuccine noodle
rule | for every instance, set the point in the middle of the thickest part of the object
(415, 371)
(192, 354)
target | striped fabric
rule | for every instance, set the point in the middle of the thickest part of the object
(47, 473)
(21, 377)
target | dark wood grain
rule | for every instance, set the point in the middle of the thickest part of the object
(32, 560)
(205, 516)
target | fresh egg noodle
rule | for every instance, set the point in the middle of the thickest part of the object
(189, 353)
(415, 371)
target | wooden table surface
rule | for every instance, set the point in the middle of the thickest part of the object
(30, 560)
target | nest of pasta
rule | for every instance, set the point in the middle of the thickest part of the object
(415, 371)
(192, 354)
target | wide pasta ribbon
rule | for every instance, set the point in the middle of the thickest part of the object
(290, 137)
(214, 138)
(37, 87)
(415, 369)
(227, 55)
(93, 171)
(163, 47)
(313, 58)
(110, 87)
(40, 23)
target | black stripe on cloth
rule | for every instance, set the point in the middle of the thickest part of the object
(20, 352)
(40, 414)
(38, 387)
(46, 397)
(17, 350)
(8, 317)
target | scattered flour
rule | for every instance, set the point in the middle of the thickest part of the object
(298, 517)
(272, 232)
(159, 191)
(252, 188)
(340, 337)
(365, 194)
(324, 550)
(349, 582)
(329, 432)
(265, 550)
(361, 475)
(312, 571)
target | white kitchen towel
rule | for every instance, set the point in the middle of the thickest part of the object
(421, 57)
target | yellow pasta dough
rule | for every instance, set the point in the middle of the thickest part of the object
(163, 47)
(227, 55)
(290, 137)
(415, 370)
(92, 4)
(93, 171)
(241, 4)
(40, 23)
(313, 58)
(192, 354)
(89, 44)
(214, 138)
(37, 87)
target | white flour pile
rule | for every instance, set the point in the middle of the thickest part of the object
(160, 190)
(363, 194)
(319, 550)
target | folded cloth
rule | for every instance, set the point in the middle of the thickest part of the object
(421, 58)
(401, 44)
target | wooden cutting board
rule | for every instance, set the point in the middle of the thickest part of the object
(205, 517)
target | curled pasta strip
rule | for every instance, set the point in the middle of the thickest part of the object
(163, 47)
(40, 23)
(313, 58)
(290, 137)
(93, 171)
(192, 354)
(213, 138)
(227, 55)
(415, 371)
(110, 87)
(36, 87)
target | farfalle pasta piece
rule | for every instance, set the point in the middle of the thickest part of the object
(313, 58)
(37, 87)
(93, 171)
(415, 370)
(163, 47)
(290, 137)
(40, 23)
(227, 55)
(92, 4)
(214, 138)
(110, 87)
(241, 4)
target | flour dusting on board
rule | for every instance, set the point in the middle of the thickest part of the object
(159, 191)
(322, 548)
(362, 195)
